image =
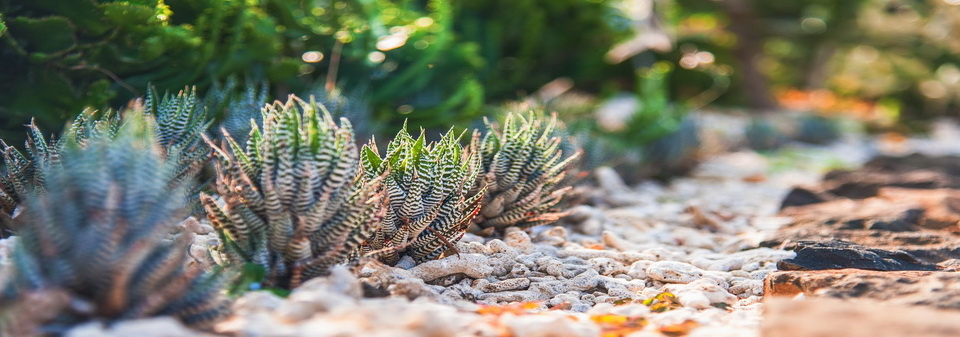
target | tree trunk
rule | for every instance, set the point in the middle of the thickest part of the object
(743, 24)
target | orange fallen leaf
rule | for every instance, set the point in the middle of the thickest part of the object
(662, 302)
(613, 325)
(516, 308)
(597, 246)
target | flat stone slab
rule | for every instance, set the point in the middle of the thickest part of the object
(823, 317)
(922, 288)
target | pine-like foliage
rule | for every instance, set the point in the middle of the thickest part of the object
(290, 200)
(94, 245)
(523, 167)
(428, 187)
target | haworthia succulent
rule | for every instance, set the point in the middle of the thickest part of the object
(290, 200)
(177, 123)
(429, 190)
(95, 247)
(523, 167)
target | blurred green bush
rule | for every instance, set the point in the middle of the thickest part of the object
(434, 62)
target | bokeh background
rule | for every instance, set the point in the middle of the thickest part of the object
(891, 63)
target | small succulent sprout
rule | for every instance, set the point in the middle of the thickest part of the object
(180, 125)
(428, 186)
(97, 247)
(523, 171)
(290, 201)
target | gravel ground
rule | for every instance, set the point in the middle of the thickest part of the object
(603, 271)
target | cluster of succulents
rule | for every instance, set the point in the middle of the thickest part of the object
(428, 188)
(178, 124)
(524, 166)
(98, 246)
(289, 200)
(96, 209)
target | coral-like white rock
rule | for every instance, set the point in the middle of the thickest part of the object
(674, 272)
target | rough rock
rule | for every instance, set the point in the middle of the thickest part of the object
(914, 171)
(800, 196)
(836, 254)
(926, 288)
(854, 318)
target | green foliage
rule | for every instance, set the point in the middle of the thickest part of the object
(431, 62)
(523, 167)
(95, 246)
(656, 138)
(63, 57)
(428, 187)
(657, 115)
(289, 200)
(527, 43)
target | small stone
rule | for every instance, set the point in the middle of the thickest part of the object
(509, 284)
(674, 272)
(471, 265)
(701, 294)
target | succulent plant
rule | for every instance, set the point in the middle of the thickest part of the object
(523, 167)
(22, 174)
(235, 105)
(96, 248)
(762, 135)
(817, 130)
(429, 191)
(675, 153)
(289, 200)
(180, 125)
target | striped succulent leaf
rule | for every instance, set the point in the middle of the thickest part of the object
(22, 173)
(179, 126)
(523, 167)
(95, 247)
(181, 123)
(290, 201)
(429, 190)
